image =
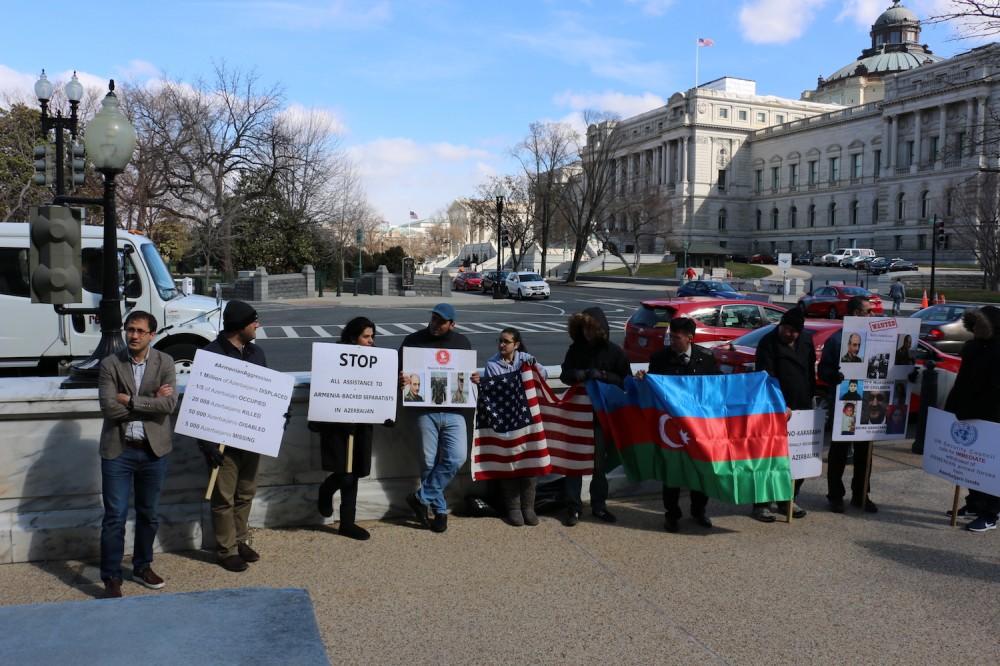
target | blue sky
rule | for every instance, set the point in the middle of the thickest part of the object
(430, 95)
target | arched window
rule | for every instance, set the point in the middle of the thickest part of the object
(774, 218)
(758, 219)
(812, 215)
(722, 220)
(875, 212)
(793, 214)
(900, 206)
(854, 211)
(832, 214)
(925, 204)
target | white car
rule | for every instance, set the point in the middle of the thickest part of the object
(527, 284)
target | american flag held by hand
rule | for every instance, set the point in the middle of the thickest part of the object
(524, 429)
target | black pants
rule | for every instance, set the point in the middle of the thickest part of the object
(837, 462)
(671, 505)
(985, 505)
(347, 484)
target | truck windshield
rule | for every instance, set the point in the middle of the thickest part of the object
(161, 276)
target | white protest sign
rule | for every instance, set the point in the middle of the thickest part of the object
(805, 443)
(232, 402)
(963, 452)
(353, 384)
(784, 260)
(438, 377)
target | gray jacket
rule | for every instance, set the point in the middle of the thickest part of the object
(116, 377)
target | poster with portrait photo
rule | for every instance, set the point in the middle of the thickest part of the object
(880, 414)
(442, 375)
(870, 346)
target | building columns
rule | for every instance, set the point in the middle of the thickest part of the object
(917, 129)
(942, 137)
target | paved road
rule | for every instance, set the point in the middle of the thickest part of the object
(289, 330)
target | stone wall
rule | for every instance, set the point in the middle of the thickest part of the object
(384, 283)
(259, 286)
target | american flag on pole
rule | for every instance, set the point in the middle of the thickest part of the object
(705, 41)
(414, 216)
(524, 429)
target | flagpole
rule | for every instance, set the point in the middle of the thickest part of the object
(697, 55)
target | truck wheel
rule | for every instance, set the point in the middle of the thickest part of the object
(183, 355)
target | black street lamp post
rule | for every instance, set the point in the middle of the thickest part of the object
(58, 123)
(496, 282)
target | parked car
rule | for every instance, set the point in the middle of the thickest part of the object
(878, 266)
(527, 284)
(856, 262)
(490, 277)
(834, 258)
(804, 259)
(740, 354)
(712, 288)
(941, 326)
(467, 282)
(898, 264)
(718, 320)
(761, 258)
(739, 258)
(831, 301)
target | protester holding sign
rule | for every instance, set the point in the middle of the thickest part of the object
(237, 482)
(830, 372)
(346, 448)
(976, 395)
(788, 354)
(592, 355)
(443, 430)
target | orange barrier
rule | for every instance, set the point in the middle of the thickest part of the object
(923, 301)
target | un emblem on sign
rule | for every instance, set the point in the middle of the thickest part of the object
(964, 434)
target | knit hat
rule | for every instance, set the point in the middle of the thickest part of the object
(794, 319)
(237, 315)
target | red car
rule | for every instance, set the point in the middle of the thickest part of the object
(467, 282)
(831, 301)
(740, 356)
(718, 320)
(761, 258)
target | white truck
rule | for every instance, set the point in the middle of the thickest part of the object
(37, 340)
(842, 254)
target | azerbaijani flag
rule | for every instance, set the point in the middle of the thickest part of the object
(724, 435)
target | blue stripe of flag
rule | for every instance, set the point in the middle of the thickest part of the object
(700, 396)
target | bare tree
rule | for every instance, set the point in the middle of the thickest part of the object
(634, 221)
(970, 18)
(545, 151)
(519, 213)
(588, 184)
(975, 223)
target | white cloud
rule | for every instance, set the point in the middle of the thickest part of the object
(862, 12)
(611, 101)
(777, 21)
(314, 117)
(652, 7)
(342, 14)
(401, 174)
(139, 70)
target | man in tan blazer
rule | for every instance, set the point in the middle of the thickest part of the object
(137, 395)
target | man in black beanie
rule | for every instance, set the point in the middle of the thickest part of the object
(236, 484)
(788, 354)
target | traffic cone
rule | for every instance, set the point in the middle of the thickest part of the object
(923, 301)
(944, 301)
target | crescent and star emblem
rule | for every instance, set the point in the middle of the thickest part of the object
(672, 433)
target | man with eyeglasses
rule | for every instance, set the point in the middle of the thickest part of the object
(136, 391)
(829, 372)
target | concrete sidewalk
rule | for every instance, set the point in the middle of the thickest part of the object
(900, 586)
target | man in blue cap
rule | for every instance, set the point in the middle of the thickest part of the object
(443, 430)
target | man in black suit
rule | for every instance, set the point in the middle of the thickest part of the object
(682, 358)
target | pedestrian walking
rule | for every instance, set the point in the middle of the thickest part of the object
(137, 394)
(592, 355)
(346, 449)
(897, 292)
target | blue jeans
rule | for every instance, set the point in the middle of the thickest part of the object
(446, 443)
(146, 472)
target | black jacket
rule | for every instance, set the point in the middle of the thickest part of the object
(424, 340)
(976, 393)
(603, 356)
(251, 352)
(829, 363)
(794, 367)
(668, 362)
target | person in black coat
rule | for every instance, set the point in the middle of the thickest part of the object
(976, 395)
(681, 357)
(334, 448)
(592, 355)
(788, 354)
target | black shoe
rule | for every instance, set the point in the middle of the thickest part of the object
(352, 531)
(672, 524)
(836, 504)
(962, 512)
(233, 563)
(869, 506)
(572, 518)
(247, 553)
(797, 511)
(763, 514)
(605, 515)
(419, 510)
(702, 520)
(440, 523)
(112, 588)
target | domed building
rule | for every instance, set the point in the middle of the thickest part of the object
(895, 48)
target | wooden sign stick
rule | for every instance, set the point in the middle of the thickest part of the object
(868, 476)
(213, 476)
(791, 503)
(350, 454)
(954, 506)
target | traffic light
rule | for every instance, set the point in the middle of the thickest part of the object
(504, 236)
(45, 165)
(939, 232)
(55, 256)
(76, 165)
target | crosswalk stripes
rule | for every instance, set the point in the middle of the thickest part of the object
(395, 330)
(405, 327)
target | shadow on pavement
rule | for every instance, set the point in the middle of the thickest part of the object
(936, 560)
